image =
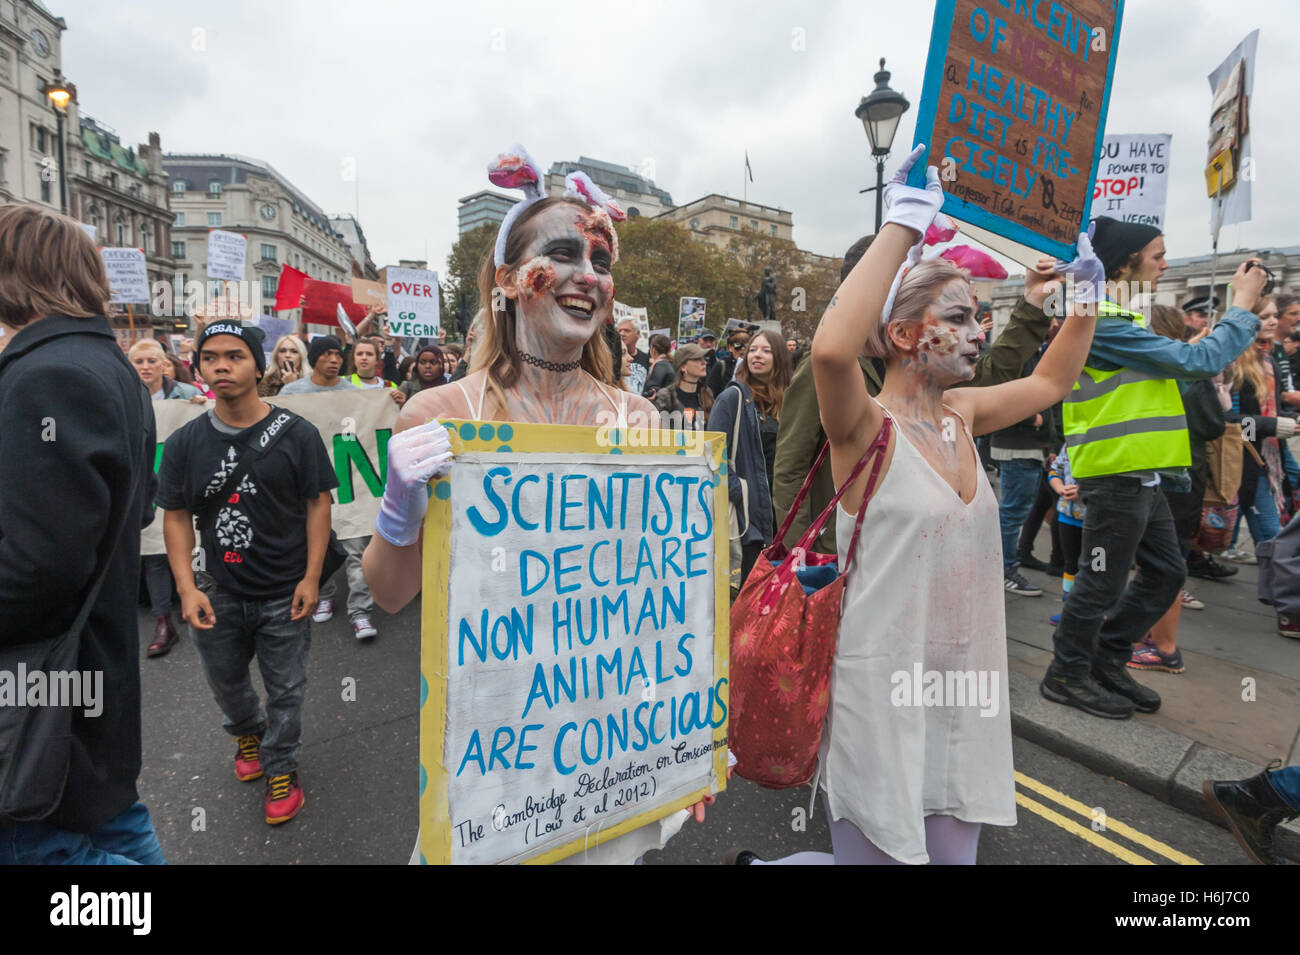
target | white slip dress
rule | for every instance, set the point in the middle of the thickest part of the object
(923, 605)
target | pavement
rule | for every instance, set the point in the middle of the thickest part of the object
(1235, 707)
(360, 752)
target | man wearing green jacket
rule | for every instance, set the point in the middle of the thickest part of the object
(800, 437)
(1126, 434)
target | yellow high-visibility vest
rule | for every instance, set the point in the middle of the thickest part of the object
(1124, 420)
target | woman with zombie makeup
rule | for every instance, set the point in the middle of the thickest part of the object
(540, 357)
(911, 773)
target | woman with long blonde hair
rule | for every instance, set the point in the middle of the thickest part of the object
(1256, 405)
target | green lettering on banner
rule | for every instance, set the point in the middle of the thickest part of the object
(348, 451)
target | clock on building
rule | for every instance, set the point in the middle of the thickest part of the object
(268, 211)
(41, 43)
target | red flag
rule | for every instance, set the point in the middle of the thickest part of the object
(323, 299)
(289, 289)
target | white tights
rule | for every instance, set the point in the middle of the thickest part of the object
(948, 841)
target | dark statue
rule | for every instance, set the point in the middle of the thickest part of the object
(766, 297)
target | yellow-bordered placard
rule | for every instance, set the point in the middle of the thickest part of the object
(483, 442)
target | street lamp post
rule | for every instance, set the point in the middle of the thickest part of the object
(60, 94)
(880, 112)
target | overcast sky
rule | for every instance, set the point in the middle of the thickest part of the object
(419, 96)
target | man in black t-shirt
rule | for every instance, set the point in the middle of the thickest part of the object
(252, 584)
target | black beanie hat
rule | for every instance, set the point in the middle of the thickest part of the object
(251, 335)
(319, 346)
(1114, 241)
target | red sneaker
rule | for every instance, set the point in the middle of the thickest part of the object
(284, 798)
(248, 757)
(1288, 626)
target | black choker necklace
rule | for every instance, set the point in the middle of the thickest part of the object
(551, 365)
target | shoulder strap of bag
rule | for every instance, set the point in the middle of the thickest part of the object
(114, 535)
(876, 451)
(803, 492)
(731, 460)
(281, 420)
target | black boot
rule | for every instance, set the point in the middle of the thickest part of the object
(1114, 676)
(1083, 692)
(1252, 809)
(1207, 568)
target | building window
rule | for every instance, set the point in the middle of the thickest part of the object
(773, 228)
(45, 190)
(121, 233)
(214, 218)
(214, 289)
(179, 220)
(38, 138)
(180, 282)
(268, 252)
(144, 238)
(753, 223)
(94, 218)
(178, 251)
(214, 187)
(178, 187)
(90, 172)
(135, 189)
(268, 286)
(111, 180)
(734, 223)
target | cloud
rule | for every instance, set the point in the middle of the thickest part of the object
(422, 95)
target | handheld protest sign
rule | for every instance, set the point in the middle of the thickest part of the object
(1013, 111)
(574, 674)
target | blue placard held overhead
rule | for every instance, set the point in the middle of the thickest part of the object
(1013, 111)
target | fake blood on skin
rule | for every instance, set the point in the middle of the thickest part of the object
(536, 276)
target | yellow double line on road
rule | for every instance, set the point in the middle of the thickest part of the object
(1087, 834)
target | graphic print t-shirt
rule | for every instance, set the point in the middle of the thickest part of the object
(256, 547)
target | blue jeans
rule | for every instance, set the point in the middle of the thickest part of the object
(1261, 514)
(1286, 783)
(1104, 614)
(128, 839)
(261, 628)
(1019, 478)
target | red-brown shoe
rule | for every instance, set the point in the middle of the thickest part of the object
(284, 798)
(248, 757)
(164, 635)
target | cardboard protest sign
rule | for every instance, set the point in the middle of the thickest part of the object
(226, 253)
(1229, 147)
(128, 279)
(690, 319)
(575, 635)
(1013, 110)
(366, 292)
(355, 426)
(1132, 178)
(413, 297)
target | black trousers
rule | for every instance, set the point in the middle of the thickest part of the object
(1044, 506)
(1124, 522)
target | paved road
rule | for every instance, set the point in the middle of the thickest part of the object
(359, 765)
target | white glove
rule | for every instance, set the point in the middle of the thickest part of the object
(415, 457)
(908, 206)
(1086, 272)
(1285, 428)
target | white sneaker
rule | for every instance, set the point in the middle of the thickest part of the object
(324, 611)
(364, 629)
(1238, 556)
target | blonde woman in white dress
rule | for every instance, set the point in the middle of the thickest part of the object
(917, 750)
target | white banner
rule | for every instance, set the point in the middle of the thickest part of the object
(226, 255)
(128, 280)
(412, 303)
(1133, 178)
(355, 426)
(1236, 199)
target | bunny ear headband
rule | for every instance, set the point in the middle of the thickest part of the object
(515, 169)
(979, 264)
